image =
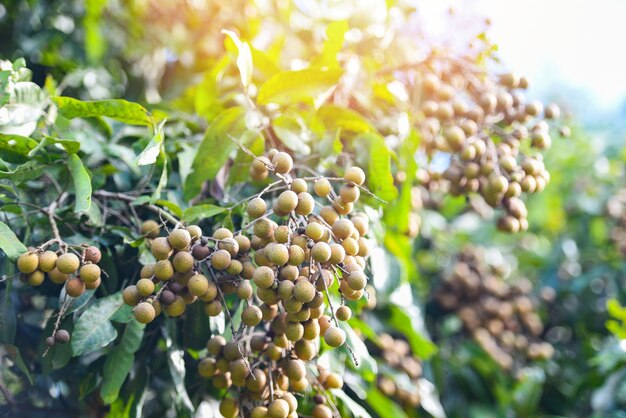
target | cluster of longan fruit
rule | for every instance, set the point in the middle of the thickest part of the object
(278, 270)
(616, 210)
(491, 131)
(76, 272)
(501, 317)
(396, 353)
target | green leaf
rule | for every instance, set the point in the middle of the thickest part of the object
(153, 149)
(379, 177)
(82, 183)
(198, 212)
(120, 361)
(367, 366)
(25, 172)
(296, 86)
(93, 329)
(118, 109)
(176, 363)
(69, 145)
(173, 207)
(402, 322)
(290, 133)
(14, 354)
(384, 406)
(355, 409)
(8, 316)
(214, 149)
(336, 117)
(10, 244)
(335, 32)
(162, 180)
(15, 148)
(244, 58)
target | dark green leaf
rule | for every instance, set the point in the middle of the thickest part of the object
(25, 172)
(69, 145)
(120, 361)
(8, 317)
(15, 148)
(93, 329)
(14, 354)
(82, 183)
(199, 212)
(118, 109)
(9, 243)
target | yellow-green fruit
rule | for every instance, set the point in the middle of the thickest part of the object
(364, 247)
(150, 229)
(357, 280)
(144, 312)
(243, 242)
(89, 273)
(343, 228)
(210, 294)
(314, 230)
(93, 285)
(147, 271)
(161, 248)
(305, 205)
(304, 291)
(455, 137)
(305, 350)
(349, 193)
(311, 329)
(75, 287)
(198, 285)
(259, 412)
(245, 290)
(278, 409)
(36, 278)
(47, 261)
(334, 381)
(263, 228)
(222, 233)
(229, 244)
(282, 163)
(215, 344)
(299, 186)
(263, 277)
(256, 381)
(294, 331)
(281, 234)
(234, 268)
(286, 202)
(285, 289)
(291, 401)
(213, 308)
(256, 208)
(145, 287)
(206, 367)
(163, 270)
(320, 252)
(334, 336)
(182, 262)
(321, 411)
(68, 263)
(351, 246)
(296, 255)
(220, 260)
(251, 316)
(337, 253)
(343, 313)
(131, 295)
(341, 207)
(179, 239)
(176, 308)
(229, 408)
(299, 385)
(195, 231)
(322, 187)
(278, 254)
(355, 175)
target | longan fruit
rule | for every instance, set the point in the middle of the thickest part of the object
(144, 312)
(206, 367)
(279, 408)
(251, 316)
(329, 215)
(179, 239)
(299, 186)
(234, 268)
(305, 205)
(334, 336)
(244, 290)
(285, 203)
(341, 207)
(229, 244)
(176, 308)
(194, 231)
(256, 381)
(311, 329)
(229, 408)
(355, 175)
(343, 313)
(337, 253)
(277, 254)
(47, 261)
(92, 254)
(455, 137)
(322, 187)
(75, 287)
(321, 411)
(281, 234)
(304, 291)
(283, 163)
(292, 305)
(67, 263)
(36, 278)
(305, 350)
(259, 412)
(364, 247)
(163, 270)
(200, 252)
(299, 385)
(182, 262)
(145, 287)
(198, 285)
(291, 400)
(131, 295)
(150, 229)
(260, 164)
(321, 252)
(161, 248)
(263, 277)
(342, 228)
(314, 230)
(61, 336)
(296, 255)
(294, 331)
(220, 260)
(349, 193)
(263, 228)
(324, 323)
(89, 273)
(222, 233)
(243, 242)
(285, 289)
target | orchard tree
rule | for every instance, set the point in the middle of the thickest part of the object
(237, 246)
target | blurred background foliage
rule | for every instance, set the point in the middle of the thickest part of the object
(170, 55)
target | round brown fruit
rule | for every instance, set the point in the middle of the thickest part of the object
(144, 312)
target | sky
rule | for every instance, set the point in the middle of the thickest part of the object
(570, 47)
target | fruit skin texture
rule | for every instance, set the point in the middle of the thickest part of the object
(251, 316)
(334, 336)
(89, 273)
(36, 278)
(61, 336)
(278, 409)
(75, 287)
(92, 254)
(355, 175)
(47, 261)
(256, 208)
(27, 262)
(150, 228)
(145, 287)
(144, 312)
(68, 263)
(263, 277)
(282, 163)
(179, 239)
(220, 259)
(321, 411)
(322, 187)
